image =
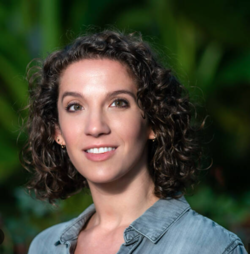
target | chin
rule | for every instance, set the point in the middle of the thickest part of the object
(105, 178)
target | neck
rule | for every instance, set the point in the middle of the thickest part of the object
(121, 202)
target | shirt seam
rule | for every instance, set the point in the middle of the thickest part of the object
(230, 247)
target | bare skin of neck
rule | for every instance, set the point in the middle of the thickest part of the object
(125, 204)
(117, 205)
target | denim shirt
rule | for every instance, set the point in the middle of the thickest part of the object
(169, 226)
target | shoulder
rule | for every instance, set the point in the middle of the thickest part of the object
(201, 233)
(45, 241)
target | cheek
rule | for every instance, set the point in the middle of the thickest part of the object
(70, 130)
(132, 128)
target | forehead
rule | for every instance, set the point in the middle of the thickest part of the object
(97, 72)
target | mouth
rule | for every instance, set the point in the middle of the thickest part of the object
(100, 150)
(100, 154)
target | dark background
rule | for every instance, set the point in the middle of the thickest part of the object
(206, 43)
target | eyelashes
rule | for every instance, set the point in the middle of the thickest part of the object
(117, 103)
(120, 103)
(74, 107)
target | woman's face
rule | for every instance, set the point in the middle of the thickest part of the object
(100, 121)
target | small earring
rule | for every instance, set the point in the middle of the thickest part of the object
(58, 140)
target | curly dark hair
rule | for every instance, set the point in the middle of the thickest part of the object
(173, 158)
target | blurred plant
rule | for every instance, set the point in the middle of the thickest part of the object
(225, 209)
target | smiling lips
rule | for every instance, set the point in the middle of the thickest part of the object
(100, 150)
(100, 153)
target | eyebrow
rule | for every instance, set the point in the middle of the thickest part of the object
(110, 94)
(114, 93)
(73, 94)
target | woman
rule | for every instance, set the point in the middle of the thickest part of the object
(106, 115)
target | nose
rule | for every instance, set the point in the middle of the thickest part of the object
(97, 124)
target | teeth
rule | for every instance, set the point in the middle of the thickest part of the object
(100, 150)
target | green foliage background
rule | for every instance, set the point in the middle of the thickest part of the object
(205, 42)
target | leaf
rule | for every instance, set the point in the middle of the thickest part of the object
(15, 83)
(208, 66)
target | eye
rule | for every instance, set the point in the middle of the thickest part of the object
(74, 107)
(120, 103)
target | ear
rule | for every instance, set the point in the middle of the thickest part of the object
(151, 134)
(58, 137)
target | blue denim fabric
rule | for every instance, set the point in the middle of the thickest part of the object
(169, 226)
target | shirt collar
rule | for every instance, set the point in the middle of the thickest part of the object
(72, 231)
(157, 219)
(152, 224)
